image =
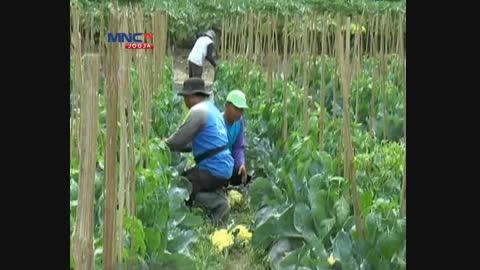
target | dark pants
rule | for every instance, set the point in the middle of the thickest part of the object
(207, 191)
(194, 70)
(236, 179)
(203, 181)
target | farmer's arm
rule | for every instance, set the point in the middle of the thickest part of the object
(239, 146)
(209, 56)
(181, 140)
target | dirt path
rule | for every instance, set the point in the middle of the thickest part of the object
(180, 68)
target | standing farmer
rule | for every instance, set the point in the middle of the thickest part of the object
(233, 115)
(203, 132)
(203, 49)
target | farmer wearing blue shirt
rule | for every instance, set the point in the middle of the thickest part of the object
(233, 115)
(204, 133)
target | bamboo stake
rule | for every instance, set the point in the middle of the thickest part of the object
(84, 226)
(285, 94)
(314, 48)
(122, 74)
(111, 147)
(232, 41)
(237, 35)
(324, 88)
(385, 34)
(357, 71)
(334, 78)
(222, 40)
(243, 40)
(374, 34)
(305, 54)
(257, 39)
(269, 60)
(349, 166)
(77, 83)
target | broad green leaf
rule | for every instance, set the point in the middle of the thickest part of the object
(342, 247)
(178, 193)
(73, 204)
(318, 250)
(371, 227)
(349, 223)
(315, 168)
(350, 264)
(306, 168)
(401, 227)
(366, 199)
(290, 191)
(301, 190)
(265, 213)
(302, 220)
(163, 213)
(261, 192)
(73, 190)
(326, 226)
(192, 221)
(278, 250)
(265, 232)
(292, 259)
(174, 261)
(317, 182)
(318, 202)
(181, 240)
(389, 242)
(381, 203)
(365, 265)
(176, 218)
(286, 227)
(282, 246)
(342, 210)
(377, 261)
(153, 239)
(180, 187)
(139, 234)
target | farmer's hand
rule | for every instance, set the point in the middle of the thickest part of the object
(243, 171)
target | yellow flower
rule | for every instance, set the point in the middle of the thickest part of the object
(243, 233)
(234, 197)
(221, 239)
(331, 260)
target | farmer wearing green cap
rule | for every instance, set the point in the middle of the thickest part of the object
(204, 133)
(233, 115)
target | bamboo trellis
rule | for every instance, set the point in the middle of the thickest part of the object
(113, 63)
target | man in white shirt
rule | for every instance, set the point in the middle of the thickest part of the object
(202, 50)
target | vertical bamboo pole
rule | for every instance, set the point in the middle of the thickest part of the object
(356, 65)
(374, 36)
(314, 49)
(306, 54)
(285, 93)
(111, 149)
(222, 39)
(385, 40)
(83, 238)
(345, 73)
(230, 33)
(269, 59)
(324, 88)
(122, 75)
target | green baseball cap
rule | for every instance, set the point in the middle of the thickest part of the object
(237, 98)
